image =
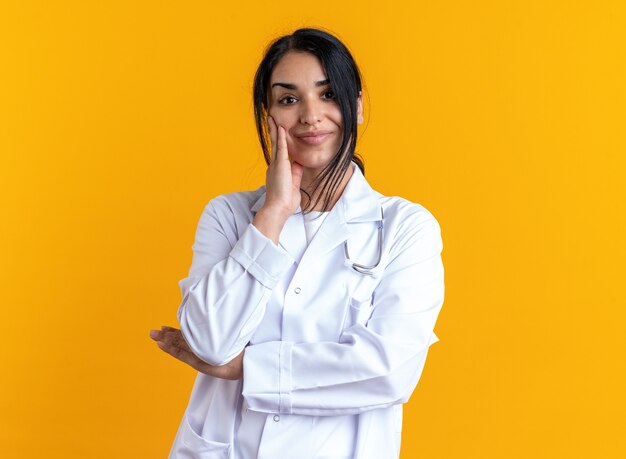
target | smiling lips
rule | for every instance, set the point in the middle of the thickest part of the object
(314, 138)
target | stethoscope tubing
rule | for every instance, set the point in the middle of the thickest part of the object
(363, 269)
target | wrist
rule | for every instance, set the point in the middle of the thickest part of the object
(270, 222)
(275, 212)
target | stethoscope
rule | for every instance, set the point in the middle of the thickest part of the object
(363, 269)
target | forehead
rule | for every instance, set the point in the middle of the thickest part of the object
(298, 67)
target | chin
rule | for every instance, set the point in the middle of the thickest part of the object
(312, 160)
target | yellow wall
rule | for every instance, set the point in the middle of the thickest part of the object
(119, 120)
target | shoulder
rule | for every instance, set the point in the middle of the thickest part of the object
(410, 226)
(237, 204)
(228, 214)
(401, 211)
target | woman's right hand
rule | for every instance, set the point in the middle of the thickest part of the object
(283, 176)
(282, 187)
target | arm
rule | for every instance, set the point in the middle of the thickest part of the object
(224, 297)
(374, 365)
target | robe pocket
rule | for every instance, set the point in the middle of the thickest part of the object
(194, 446)
(359, 312)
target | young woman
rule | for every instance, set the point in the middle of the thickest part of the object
(311, 302)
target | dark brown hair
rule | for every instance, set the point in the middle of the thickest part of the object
(345, 78)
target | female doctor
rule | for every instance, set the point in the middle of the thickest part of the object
(310, 302)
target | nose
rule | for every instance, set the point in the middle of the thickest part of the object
(310, 113)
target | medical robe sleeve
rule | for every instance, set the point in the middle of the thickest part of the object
(374, 365)
(229, 284)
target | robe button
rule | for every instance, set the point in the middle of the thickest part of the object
(276, 418)
(297, 290)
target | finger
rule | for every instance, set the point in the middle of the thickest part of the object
(189, 358)
(165, 327)
(170, 335)
(174, 338)
(165, 347)
(175, 351)
(281, 148)
(273, 135)
(155, 334)
(170, 345)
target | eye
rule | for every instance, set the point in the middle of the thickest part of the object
(331, 92)
(284, 100)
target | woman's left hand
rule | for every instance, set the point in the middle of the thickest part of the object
(171, 341)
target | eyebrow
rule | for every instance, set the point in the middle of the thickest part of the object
(293, 86)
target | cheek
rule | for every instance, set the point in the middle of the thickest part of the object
(281, 117)
(292, 143)
(335, 116)
(286, 122)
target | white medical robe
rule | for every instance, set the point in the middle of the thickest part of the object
(331, 354)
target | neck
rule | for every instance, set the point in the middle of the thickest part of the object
(307, 180)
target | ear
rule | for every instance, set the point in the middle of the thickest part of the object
(359, 108)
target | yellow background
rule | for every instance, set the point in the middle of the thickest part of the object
(119, 120)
